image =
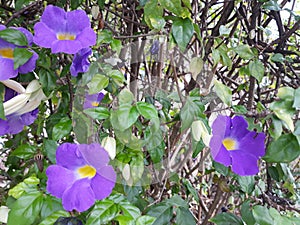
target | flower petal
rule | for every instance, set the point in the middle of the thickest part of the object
(66, 46)
(253, 144)
(3, 127)
(43, 35)
(68, 156)
(95, 155)
(28, 35)
(244, 164)
(238, 127)
(103, 183)
(87, 37)
(7, 69)
(59, 180)
(55, 18)
(79, 196)
(223, 156)
(221, 126)
(77, 21)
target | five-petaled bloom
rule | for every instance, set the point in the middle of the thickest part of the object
(92, 101)
(81, 175)
(63, 31)
(7, 69)
(80, 62)
(232, 144)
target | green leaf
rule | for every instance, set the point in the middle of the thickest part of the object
(25, 151)
(13, 36)
(47, 80)
(26, 209)
(277, 57)
(129, 210)
(223, 92)
(257, 69)
(226, 219)
(184, 217)
(240, 109)
(162, 212)
(98, 113)
(125, 97)
(97, 84)
(2, 89)
(296, 103)
(51, 204)
(284, 111)
(284, 149)
(124, 220)
(62, 128)
(182, 31)
(216, 56)
(271, 5)
(262, 215)
(191, 189)
(124, 117)
(103, 212)
(153, 12)
(246, 212)
(50, 147)
(147, 110)
(173, 6)
(244, 52)
(21, 56)
(117, 76)
(145, 220)
(28, 185)
(286, 93)
(196, 66)
(247, 183)
(50, 220)
(190, 111)
(176, 200)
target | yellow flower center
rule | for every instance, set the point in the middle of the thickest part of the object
(65, 37)
(7, 53)
(95, 104)
(229, 144)
(86, 171)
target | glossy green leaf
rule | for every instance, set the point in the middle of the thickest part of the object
(124, 117)
(50, 205)
(2, 115)
(153, 12)
(21, 56)
(145, 220)
(240, 109)
(50, 220)
(26, 209)
(125, 220)
(285, 149)
(13, 36)
(247, 183)
(262, 215)
(277, 57)
(191, 189)
(184, 217)
(226, 219)
(26, 186)
(25, 151)
(147, 110)
(103, 212)
(173, 6)
(97, 84)
(47, 80)
(284, 111)
(62, 128)
(296, 103)
(257, 69)
(182, 31)
(286, 93)
(271, 5)
(246, 212)
(189, 112)
(223, 92)
(98, 113)
(125, 97)
(162, 212)
(244, 52)
(117, 76)
(129, 210)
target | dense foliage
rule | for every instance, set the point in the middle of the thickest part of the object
(157, 76)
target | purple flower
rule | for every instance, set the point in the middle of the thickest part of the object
(15, 123)
(92, 101)
(154, 49)
(232, 144)
(80, 62)
(7, 57)
(81, 176)
(63, 31)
